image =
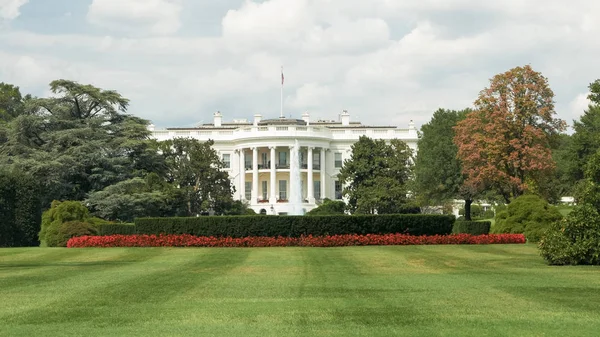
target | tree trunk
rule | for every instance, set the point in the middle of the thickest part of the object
(468, 203)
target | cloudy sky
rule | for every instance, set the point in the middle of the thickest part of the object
(385, 61)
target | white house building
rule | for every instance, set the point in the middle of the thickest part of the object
(258, 156)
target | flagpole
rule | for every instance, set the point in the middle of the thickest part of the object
(281, 111)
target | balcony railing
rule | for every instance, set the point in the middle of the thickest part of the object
(268, 131)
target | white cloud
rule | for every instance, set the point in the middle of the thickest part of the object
(296, 26)
(578, 105)
(159, 17)
(9, 9)
(385, 61)
(310, 96)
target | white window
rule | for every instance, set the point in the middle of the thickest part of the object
(226, 160)
(338, 189)
(264, 190)
(317, 189)
(282, 163)
(265, 162)
(303, 163)
(248, 162)
(283, 190)
(338, 160)
(248, 190)
(316, 161)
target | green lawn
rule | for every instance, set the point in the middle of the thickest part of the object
(495, 290)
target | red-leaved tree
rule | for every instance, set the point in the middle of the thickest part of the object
(504, 144)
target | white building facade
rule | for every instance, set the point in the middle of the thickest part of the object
(257, 156)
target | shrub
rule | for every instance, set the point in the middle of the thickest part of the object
(574, 240)
(20, 210)
(111, 229)
(186, 240)
(471, 227)
(527, 214)
(295, 226)
(70, 229)
(489, 214)
(58, 214)
(329, 207)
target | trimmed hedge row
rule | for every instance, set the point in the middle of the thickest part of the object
(112, 229)
(296, 226)
(20, 210)
(471, 227)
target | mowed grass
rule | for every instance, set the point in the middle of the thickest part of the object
(495, 290)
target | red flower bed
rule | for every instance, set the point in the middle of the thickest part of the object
(186, 240)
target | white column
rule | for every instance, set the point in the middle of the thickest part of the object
(291, 185)
(309, 181)
(242, 175)
(324, 181)
(254, 175)
(273, 194)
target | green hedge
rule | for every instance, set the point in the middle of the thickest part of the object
(471, 227)
(111, 229)
(20, 210)
(295, 226)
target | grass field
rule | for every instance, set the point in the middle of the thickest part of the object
(495, 290)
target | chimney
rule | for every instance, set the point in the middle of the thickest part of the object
(345, 116)
(257, 119)
(218, 119)
(306, 117)
(411, 129)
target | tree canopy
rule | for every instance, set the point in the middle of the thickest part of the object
(77, 142)
(438, 175)
(196, 169)
(438, 170)
(81, 144)
(376, 176)
(12, 104)
(586, 138)
(504, 144)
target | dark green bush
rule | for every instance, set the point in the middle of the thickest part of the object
(20, 210)
(471, 227)
(111, 229)
(60, 213)
(527, 214)
(71, 229)
(294, 226)
(574, 240)
(329, 207)
(489, 214)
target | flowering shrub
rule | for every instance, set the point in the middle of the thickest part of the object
(186, 240)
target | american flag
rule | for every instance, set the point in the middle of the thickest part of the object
(281, 75)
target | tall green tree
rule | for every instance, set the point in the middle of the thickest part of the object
(586, 138)
(438, 170)
(126, 200)
(78, 141)
(197, 170)
(505, 143)
(376, 176)
(562, 183)
(594, 95)
(11, 102)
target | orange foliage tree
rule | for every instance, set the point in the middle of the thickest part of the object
(504, 144)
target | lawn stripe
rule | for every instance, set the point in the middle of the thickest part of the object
(150, 281)
(496, 290)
